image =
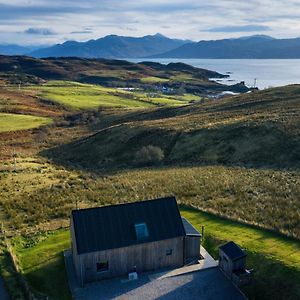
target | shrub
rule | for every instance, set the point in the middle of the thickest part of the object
(149, 155)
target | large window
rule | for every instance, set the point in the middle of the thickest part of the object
(102, 266)
(141, 231)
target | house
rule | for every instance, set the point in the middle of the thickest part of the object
(232, 261)
(115, 240)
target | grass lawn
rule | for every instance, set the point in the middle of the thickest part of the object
(87, 96)
(14, 122)
(43, 264)
(153, 79)
(183, 77)
(275, 259)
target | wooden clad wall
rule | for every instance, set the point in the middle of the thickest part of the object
(75, 255)
(145, 257)
(225, 263)
(239, 264)
(229, 266)
(192, 247)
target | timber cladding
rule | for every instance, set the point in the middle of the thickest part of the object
(144, 257)
(192, 248)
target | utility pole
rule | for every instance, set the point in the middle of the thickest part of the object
(255, 81)
(14, 155)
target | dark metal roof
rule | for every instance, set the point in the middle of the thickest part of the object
(189, 228)
(111, 227)
(233, 251)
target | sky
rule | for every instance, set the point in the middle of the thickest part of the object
(43, 22)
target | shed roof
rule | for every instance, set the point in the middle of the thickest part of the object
(113, 226)
(233, 251)
(189, 229)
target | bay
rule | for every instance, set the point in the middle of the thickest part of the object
(264, 73)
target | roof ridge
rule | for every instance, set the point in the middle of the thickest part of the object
(124, 203)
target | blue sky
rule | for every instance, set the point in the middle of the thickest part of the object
(54, 21)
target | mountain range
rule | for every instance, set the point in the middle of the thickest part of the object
(11, 49)
(159, 46)
(113, 46)
(260, 46)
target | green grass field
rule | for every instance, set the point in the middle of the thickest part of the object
(86, 96)
(275, 259)
(14, 122)
(153, 79)
(43, 265)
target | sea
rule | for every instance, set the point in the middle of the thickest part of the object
(261, 73)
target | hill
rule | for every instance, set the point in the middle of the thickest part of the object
(246, 47)
(114, 73)
(260, 129)
(14, 50)
(258, 132)
(87, 145)
(112, 46)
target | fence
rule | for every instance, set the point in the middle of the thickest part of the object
(25, 287)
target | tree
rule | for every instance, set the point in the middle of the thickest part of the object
(148, 155)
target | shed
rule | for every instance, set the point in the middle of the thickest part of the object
(232, 261)
(140, 236)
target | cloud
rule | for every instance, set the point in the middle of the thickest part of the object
(86, 31)
(39, 31)
(244, 28)
(128, 28)
(193, 19)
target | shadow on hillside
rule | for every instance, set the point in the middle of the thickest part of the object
(248, 145)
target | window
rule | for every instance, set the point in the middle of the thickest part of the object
(141, 231)
(102, 266)
(169, 252)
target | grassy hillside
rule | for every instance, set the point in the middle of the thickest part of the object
(273, 257)
(43, 195)
(254, 137)
(13, 122)
(259, 129)
(80, 96)
(86, 96)
(113, 73)
(236, 157)
(15, 101)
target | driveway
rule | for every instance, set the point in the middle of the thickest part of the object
(207, 284)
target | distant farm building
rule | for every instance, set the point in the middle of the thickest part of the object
(115, 240)
(232, 261)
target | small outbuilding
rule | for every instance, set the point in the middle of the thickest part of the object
(232, 261)
(115, 240)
